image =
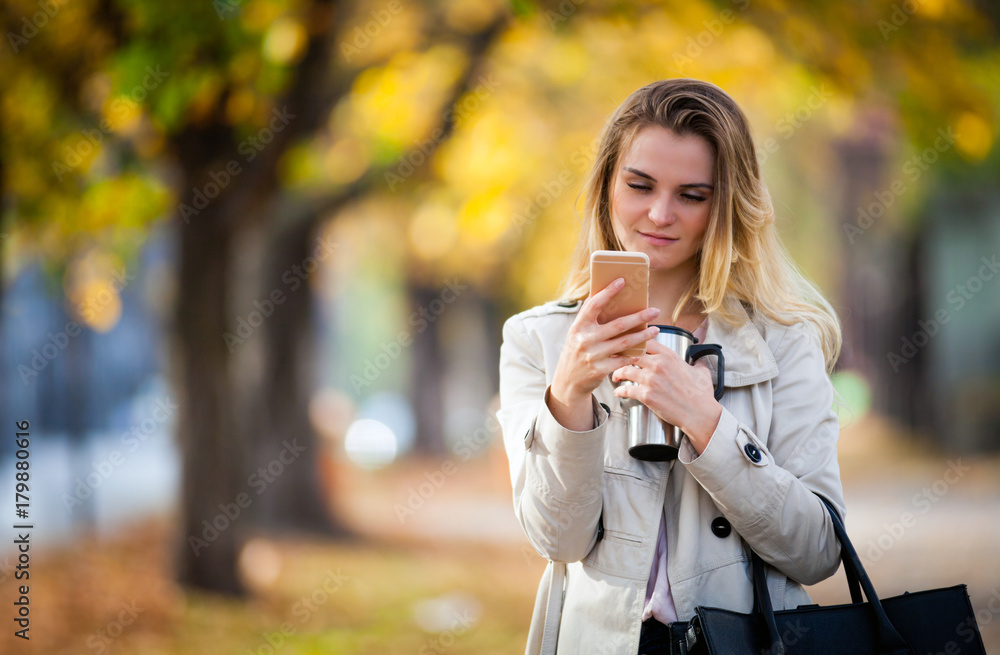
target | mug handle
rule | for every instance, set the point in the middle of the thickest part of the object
(699, 351)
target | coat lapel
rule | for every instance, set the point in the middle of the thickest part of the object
(747, 359)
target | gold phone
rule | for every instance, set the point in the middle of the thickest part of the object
(608, 265)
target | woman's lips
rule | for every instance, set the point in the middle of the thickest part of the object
(657, 241)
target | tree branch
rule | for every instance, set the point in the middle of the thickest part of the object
(478, 48)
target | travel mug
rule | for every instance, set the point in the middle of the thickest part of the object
(650, 438)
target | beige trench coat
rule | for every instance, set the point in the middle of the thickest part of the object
(569, 486)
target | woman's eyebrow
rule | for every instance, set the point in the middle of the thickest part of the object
(693, 185)
(640, 173)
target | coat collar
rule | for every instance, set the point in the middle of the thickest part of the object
(747, 358)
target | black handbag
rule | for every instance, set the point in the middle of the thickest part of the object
(918, 623)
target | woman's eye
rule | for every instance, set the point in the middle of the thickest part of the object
(639, 187)
(691, 198)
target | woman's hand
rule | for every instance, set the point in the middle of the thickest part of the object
(592, 351)
(679, 393)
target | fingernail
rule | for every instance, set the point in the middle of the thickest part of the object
(620, 282)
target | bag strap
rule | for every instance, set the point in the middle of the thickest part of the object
(889, 640)
(553, 608)
(762, 605)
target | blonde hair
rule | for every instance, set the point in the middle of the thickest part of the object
(742, 260)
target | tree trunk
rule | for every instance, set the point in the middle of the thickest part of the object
(214, 462)
(222, 445)
(427, 373)
(292, 501)
(912, 400)
(494, 337)
(882, 289)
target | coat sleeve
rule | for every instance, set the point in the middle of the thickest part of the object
(768, 491)
(556, 473)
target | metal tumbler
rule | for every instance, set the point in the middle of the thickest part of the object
(650, 438)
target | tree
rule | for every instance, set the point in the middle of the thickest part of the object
(229, 96)
(272, 117)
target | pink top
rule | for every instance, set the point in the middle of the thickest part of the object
(659, 602)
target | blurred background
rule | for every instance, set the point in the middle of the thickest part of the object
(256, 256)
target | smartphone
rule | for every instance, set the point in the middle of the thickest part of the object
(609, 265)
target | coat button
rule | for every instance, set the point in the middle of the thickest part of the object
(721, 527)
(752, 452)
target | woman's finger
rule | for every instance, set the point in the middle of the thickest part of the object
(627, 372)
(623, 324)
(593, 306)
(656, 348)
(628, 391)
(609, 365)
(621, 343)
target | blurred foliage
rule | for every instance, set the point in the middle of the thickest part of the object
(95, 95)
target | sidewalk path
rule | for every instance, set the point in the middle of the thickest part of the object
(919, 519)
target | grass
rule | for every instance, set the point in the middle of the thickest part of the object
(376, 595)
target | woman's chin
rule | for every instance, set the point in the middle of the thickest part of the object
(660, 264)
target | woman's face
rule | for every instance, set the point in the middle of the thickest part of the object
(662, 195)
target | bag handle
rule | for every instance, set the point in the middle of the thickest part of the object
(849, 570)
(762, 604)
(889, 640)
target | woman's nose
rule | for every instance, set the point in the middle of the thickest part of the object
(661, 212)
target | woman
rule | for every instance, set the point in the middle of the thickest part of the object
(635, 545)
